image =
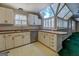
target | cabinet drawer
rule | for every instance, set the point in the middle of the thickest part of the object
(53, 47)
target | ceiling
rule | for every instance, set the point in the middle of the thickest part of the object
(30, 7)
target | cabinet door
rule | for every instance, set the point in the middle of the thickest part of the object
(46, 39)
(18, 39)
(2, 43)
(31, 20)
(41, 37)
(53, 41)
(2, 14)
(9, 16)
(9, 41)
(26, 38)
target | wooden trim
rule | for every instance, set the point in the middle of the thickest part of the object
(16, 47)
(47, 47)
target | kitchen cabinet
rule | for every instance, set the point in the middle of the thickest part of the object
(26, 38)
(6, 16)
(9, 41)
(18, 39)
(41, 37)
(33, 20)
(51, 40)
(12, 40)
(21, 38)
(2, 42)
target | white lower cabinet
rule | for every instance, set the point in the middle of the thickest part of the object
(21, 38)
(9, 41)
(2, 42)
(41, 37)
(12, 40)
(18, 39)
(51, 40)
(26, 39)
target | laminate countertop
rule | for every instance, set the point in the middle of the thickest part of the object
(27, 30)
(54, 32)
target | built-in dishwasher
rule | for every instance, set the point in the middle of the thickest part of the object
(34, 36)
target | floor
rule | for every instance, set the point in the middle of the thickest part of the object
(34, 49)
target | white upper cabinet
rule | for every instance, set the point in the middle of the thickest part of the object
(33, 20)
(54, 7)
(63, 12)
(68, 15)
(6, 16)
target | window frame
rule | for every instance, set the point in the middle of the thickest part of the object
(21, 24)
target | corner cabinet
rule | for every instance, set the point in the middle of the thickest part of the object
(6, 16)
(33, 20)
(51, 40)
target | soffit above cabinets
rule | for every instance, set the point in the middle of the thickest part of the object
(30, 7)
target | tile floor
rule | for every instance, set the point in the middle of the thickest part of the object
(34, 49)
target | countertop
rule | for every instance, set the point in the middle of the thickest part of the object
(23, 30)
(54, 32)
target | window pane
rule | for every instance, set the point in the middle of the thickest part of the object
(59, 24)
(17, 22)
(24, 23)
(61, 5)
(54, 6)
(62, 24)
(17, 17)
(68, 15)
(70, 24)
(48, 23)
(73, 26)
(63, 12)
(20, 19)
(65, 24)
(46, 13)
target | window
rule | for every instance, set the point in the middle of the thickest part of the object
(68, 15)
(20, 19)
(61, 5)
(62, 24)
(48, 23)
(47, 12)
(54, 7)
(73, 26)
(63, 12)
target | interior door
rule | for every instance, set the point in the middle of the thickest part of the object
(9, 41)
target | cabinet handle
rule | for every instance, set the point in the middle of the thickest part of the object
(6, 21)
(9, 35)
